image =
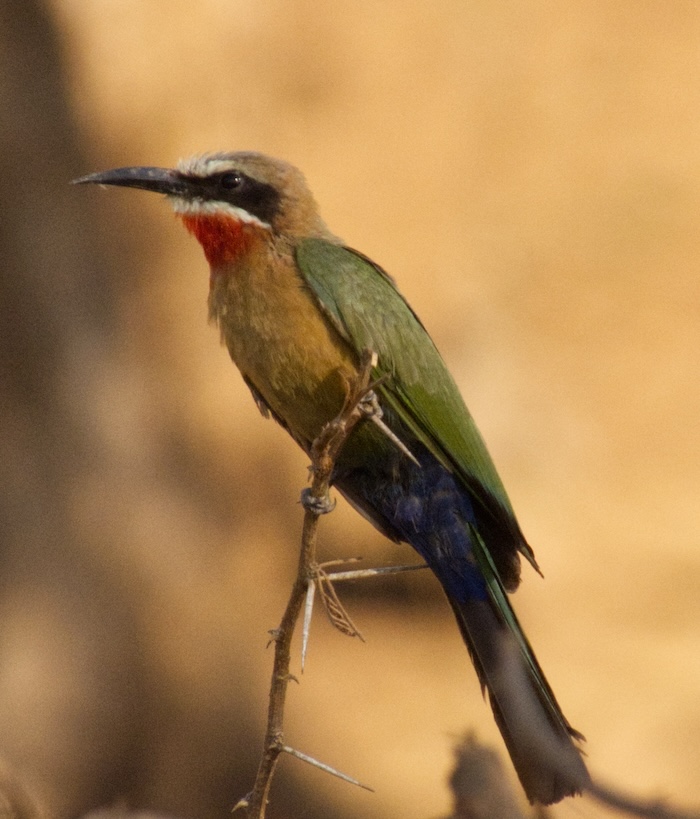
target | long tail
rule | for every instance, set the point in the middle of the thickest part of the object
(537, 735)
(429, 508)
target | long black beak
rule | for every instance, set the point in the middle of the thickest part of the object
(159, 180)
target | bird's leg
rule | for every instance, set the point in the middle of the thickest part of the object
(326, 448)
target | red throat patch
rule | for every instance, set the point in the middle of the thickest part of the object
(223, 238)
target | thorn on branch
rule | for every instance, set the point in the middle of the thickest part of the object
(327, 768)
(243, 803)
(369, 406)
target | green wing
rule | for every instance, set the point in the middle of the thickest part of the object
(370, 313)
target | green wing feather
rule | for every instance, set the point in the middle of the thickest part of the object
(370, 313)
(363, 303)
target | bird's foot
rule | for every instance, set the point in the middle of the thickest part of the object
(369, 405)
(319, 506)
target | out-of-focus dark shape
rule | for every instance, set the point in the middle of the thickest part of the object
(15, 800)
(480, 786)
(69, 670)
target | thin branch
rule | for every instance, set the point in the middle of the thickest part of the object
(316, 501)
(657, 809)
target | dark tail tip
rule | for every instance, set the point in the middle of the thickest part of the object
(539, 739)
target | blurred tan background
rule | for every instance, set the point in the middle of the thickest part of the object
(530, 173)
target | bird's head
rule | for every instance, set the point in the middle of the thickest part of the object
(228, 200)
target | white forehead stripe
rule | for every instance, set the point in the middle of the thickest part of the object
(203, 165)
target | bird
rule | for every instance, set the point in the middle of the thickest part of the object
(297, 308)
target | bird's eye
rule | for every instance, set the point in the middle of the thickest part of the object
(231, 180)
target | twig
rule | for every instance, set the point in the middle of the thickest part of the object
(636, 807)
(360, 574)
(316, 501)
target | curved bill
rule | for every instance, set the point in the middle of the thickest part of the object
(158, 180)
